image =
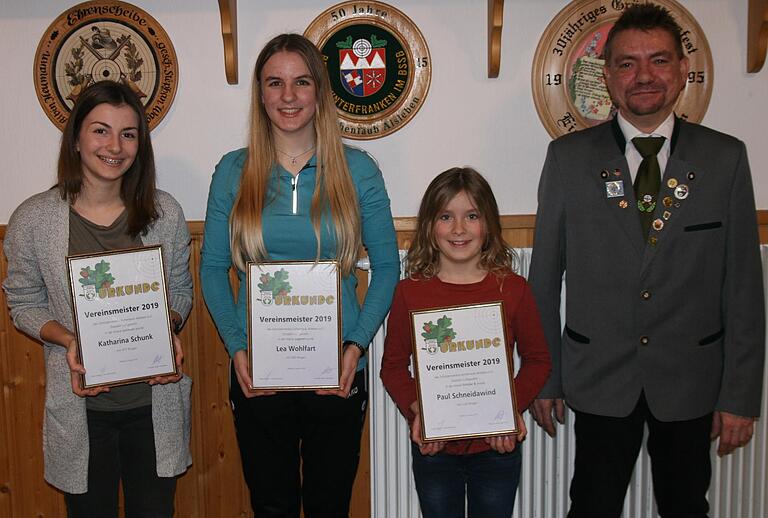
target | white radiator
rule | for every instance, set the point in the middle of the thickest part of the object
(739, 486)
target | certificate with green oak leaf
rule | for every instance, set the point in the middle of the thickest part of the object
(121, 316)
(294, 325)
(464, 372)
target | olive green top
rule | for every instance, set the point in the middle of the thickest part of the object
(86, 237)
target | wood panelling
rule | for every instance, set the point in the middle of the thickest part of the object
(213, 486)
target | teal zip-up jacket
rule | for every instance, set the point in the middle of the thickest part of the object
(289, 236)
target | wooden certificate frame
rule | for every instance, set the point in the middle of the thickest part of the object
(121, 316)
(294, 325)
(464, 372)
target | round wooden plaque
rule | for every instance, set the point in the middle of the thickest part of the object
(378, 63)
(567, 80)
(105, 41)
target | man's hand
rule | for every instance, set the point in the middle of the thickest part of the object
(542, 410)
(734, 431)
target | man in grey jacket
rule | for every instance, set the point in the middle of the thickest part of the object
(652, 221)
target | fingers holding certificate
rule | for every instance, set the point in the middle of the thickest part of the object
(121, 317)
(464, 373)
(294, 325)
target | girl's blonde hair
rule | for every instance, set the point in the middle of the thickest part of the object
(334, 190)
(423, 260)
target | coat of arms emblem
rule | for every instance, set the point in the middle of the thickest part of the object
(378, 65)
(362, 65)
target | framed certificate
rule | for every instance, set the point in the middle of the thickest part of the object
(121, 316)
(294, 325)
(464, 372)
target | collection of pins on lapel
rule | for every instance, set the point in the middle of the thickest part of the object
(615, 189)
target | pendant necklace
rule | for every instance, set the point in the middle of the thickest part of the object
(293, 158)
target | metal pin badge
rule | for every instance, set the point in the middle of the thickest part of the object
(603, 174)
(681, 191)
(672, 183)
(614, 189)
(623, 204)
(658, 224)
(666, 214)
(667, 201)
(691, 175)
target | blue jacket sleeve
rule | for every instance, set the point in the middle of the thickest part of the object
(378, 235)
(216, 259)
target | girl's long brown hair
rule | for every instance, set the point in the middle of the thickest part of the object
(334, 190)
(423, 261)
(137, 189)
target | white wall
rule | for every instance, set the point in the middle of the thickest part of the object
(467, 119)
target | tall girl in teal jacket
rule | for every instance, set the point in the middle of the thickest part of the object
(297, 193)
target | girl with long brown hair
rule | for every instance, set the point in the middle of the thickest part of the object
(105, 199)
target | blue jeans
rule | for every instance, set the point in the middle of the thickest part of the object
(488, 480)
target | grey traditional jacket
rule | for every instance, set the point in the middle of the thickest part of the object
(36, 243)
(679, 316)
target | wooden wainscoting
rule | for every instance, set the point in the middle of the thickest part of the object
(213, 486)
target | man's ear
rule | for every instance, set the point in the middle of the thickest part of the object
(685, 65)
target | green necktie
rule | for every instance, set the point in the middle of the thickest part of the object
(648, 179)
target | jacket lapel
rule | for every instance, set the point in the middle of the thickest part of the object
(613, 170)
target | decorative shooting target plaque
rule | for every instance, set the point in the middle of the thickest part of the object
(567, 78)
(378, 63)
(105, 41)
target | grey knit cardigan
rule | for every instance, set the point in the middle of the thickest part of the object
(36, 243)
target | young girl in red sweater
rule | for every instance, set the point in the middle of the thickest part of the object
(458, 257)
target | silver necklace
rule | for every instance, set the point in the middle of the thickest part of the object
(294, 158)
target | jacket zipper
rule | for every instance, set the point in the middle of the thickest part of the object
(295, 188)
(294, 192)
